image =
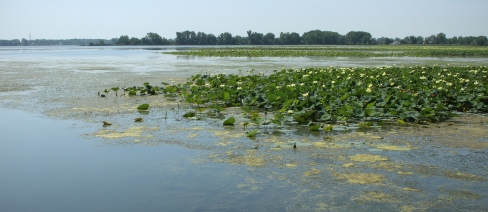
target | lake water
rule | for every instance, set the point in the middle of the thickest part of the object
(56, 156)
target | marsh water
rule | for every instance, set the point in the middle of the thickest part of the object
(55, 154)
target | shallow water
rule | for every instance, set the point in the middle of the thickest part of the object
(48, 165)
(56, 155)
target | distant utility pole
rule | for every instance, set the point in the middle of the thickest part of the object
(29, 36)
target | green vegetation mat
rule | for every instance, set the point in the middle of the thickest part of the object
(340, 51)
(371, 95)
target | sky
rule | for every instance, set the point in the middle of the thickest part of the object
(106, 19)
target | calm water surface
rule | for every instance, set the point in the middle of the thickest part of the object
(49, 166)
(130, 58)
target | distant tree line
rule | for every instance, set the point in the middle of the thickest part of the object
(50, 42)
(313, 37)
(437, 39)
(150, 39)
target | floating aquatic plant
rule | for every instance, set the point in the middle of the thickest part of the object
(252, 133)
(363, 95)
(115, 89)
(230, 121)
(334, 51)
(143, 107)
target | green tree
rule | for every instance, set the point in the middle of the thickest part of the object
(420, 40)
(431, 39)
(211, 39)
(191, 38)
(186, 38)
(269, 39)
(358, 37)
(410, 40)
(287, 38)
(295, 39)
(134, 41)
(123, 40)
(15, 42)
(24, 42)
(313, 37)
(241, 40)
(331, 38)
(481, 41)
(318, 37)
(454, 40)
(154, 39)
(201, 38)
(255, 38)
(226, 39)
(440, 38)
(383, 41)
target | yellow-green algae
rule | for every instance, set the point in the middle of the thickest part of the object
(364, 178)
(312, 172)
(192, 135)
(367, 158)
(251, 159)
(375, 196)
(227, 134)
(131, 132)
(394, 148)
(290, 165)
(463, 176)
(412, 189)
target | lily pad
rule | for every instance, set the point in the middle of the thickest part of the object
(230, 121)
(143, 107)
(314, 128)
(252, 134)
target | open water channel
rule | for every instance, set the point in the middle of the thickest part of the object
(55, 155)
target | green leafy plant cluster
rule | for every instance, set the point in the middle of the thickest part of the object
(412, 94)
(340, 51)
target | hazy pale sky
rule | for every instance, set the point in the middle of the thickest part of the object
(66, 19)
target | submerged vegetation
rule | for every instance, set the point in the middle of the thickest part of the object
(317, 96)
(340, 51)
